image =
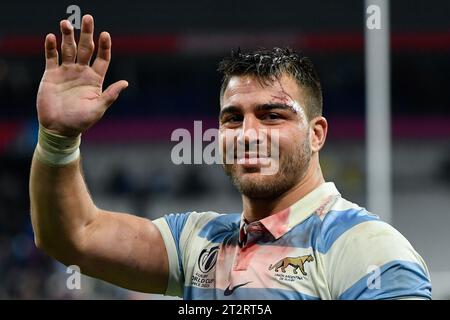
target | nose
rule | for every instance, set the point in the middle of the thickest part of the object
(251, 133)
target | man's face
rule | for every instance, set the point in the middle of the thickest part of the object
(272, 110)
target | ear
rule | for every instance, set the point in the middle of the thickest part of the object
(319, 129)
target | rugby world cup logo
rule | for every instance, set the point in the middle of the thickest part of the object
(207, 259)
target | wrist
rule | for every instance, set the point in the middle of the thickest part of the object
(55, 149)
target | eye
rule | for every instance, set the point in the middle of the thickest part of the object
(271, 116)
(233, 118)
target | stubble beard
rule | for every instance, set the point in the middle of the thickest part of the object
(292, 168)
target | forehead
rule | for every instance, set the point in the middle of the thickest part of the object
(248, 89)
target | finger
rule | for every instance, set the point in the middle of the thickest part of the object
(51, 53)
(86, 44)
(101, 63)
(68, 45)
(112, 92)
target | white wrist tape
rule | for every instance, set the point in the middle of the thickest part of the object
(57, 150)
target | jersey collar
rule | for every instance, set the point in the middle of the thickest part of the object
(317, 201)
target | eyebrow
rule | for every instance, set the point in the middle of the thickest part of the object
(261, 107)
(271, 106)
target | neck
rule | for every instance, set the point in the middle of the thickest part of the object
(257, 209)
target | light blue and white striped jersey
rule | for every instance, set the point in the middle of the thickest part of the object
(322, 247)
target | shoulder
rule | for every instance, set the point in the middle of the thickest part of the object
(351, 228)
(343, 219)
(354, 243)
(347, 225)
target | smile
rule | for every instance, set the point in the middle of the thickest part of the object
(253, 159)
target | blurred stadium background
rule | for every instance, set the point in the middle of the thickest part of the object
(168, 51)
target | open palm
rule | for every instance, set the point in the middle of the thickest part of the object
(70, 97)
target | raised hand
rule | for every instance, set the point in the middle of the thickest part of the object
(70, 98)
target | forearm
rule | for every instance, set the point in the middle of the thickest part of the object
(61, 206)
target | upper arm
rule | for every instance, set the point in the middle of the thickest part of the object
(125, 250)
(372, 260)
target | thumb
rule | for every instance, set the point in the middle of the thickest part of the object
(112, 92)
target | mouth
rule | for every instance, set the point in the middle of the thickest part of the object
(253, 159)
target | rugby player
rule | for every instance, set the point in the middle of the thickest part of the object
(296, 238)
